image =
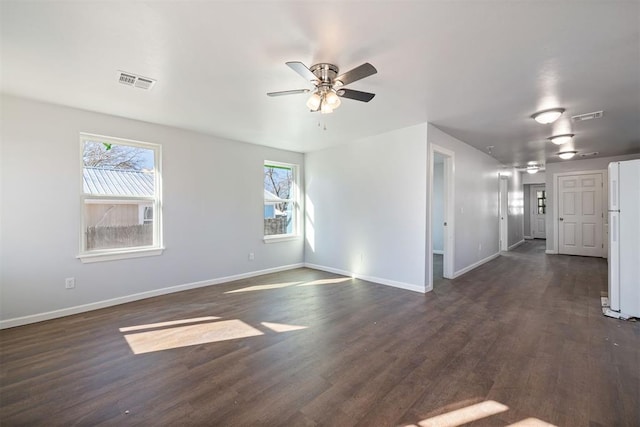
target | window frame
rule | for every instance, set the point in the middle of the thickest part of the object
(294, 199)
(89, 256)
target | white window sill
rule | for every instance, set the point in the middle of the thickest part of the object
(280, 238)
(115, 255)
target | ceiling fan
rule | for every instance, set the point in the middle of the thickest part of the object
(329, 86)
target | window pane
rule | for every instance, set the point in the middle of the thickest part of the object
(278, 200)
(117, 170)
(113, 224)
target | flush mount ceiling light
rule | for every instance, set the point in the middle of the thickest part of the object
(561, 139)
(532, 169)
(566, 155)
(548, 116)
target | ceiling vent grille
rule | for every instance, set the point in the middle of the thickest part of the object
(594, 153)
(130, 79)
(587, 116)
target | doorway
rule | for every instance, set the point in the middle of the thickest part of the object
(580, 216)
(538, 205)
(503, 216)
(440, 244)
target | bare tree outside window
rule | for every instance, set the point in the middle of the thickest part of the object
(111, 156)
(278, 180)
(279, 199)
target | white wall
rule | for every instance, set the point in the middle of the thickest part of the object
(533, 178)
(366, 208)
(213, 209)
(572, 166)
(437, 210)
(475, 200)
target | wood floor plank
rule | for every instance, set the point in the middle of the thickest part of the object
(317, 349)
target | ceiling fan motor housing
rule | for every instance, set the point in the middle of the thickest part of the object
(326, 73)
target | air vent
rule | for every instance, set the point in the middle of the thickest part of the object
(595, 153)
(134, 80)
(587, 116)
(127, 79)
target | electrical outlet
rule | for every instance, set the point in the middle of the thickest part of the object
(70, 282)
(251, 256)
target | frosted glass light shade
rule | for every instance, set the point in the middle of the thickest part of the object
(326, 108)
(566, 155)
(561, 139)
(314, 102)
(548, 116)
(532, 169)
(332, 100)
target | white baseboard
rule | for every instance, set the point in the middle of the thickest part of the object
(33, 318)
(515, 245)
(551, 252)
(438, 251)
(395, 284)
(528, 237)
(475, 265)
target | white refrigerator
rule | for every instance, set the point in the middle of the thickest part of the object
(624, 240)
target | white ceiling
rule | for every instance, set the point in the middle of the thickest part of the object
(475, 69)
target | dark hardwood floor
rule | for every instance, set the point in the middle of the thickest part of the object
(520, 338)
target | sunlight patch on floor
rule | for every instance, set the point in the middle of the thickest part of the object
(183, 336)
(290, 284)
(531, 422)
(281, 327)
(475, 412)
(325, 281)
(166, 335)
(264, 287)
(465, 415)
(170, 323)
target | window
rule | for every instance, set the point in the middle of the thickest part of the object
(280, 200)
(541, 195)
(120, 199)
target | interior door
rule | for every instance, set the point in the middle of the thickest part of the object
(580, 215)
(538, 211)
(504, 205)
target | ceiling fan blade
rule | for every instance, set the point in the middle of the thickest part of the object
(288, 92)
(302, 69)
(356, 94)
(365, 70)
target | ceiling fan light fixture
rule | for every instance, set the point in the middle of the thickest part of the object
(566, 155)
(314, 101)
(328, 92)
(548, 116)
(561, 139)
(325, 108)
(332, 99)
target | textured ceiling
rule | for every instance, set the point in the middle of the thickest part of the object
(477, 70)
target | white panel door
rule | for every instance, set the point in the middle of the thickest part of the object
(538, 211)
(580, 215)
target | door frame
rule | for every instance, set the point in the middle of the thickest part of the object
(556, 205)
(449, 213)
(534, 206)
